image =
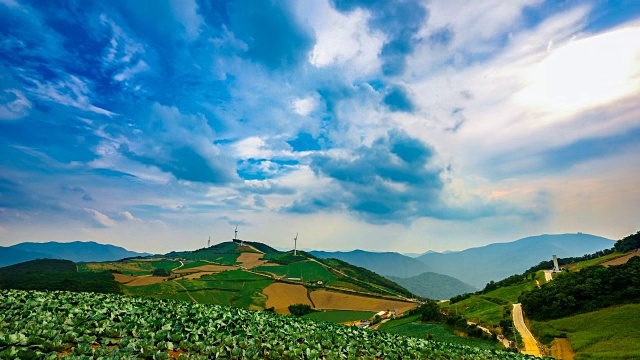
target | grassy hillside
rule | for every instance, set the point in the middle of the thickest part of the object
(611, 333)
(433, 286)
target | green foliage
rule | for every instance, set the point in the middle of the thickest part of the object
(287, 258)
(459, 298)
(430, 312)
(38, 323)
(40, 265)
(50, 274)
(628, 243)
(611, 333)
(161, 272)
(308, 271)
(339, 316)
(589, 289)
(439, 333)
(300, 309)
(263, 247)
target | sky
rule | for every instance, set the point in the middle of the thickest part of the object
(401, 126)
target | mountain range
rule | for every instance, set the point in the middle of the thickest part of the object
(477, 266)
(433, 286)
(78, 251)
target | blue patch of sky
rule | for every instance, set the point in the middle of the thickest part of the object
(304, 142)
(398, 100)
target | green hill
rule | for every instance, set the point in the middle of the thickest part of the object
(433, 286)
(53, 274)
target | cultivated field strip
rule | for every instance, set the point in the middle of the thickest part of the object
(47, 324)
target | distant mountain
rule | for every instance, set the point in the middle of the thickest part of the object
(77, 251)
(478, 266)
(434, 286)
(386, 263)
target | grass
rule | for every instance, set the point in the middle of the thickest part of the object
(592, 262)
(611, 333)
(511, 293)
(339, 316)
(394, 323)
(193, 264)
(129, 267)
(479, 310)
(440, 333)
(308, 271)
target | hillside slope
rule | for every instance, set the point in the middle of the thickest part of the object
(77, 251)
(434, 286)
(385, 263)
(478, 266)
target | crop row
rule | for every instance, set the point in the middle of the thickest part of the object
(57, 324)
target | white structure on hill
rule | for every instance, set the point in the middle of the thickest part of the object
(556, 268)
(295, 245)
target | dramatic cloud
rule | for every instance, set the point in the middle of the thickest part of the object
(155, 124)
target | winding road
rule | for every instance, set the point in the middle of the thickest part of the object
(530, 345)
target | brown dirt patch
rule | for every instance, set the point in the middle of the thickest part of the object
(250, 260)
(281, 295)
(122, 278)
(146, 280)
(561, 349)
(623, 259)
(213, 268)
(197, 275)
(332, 300)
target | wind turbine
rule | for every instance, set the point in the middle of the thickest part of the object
(295, 245)
(209, 242)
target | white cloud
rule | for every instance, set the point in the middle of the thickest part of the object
(129, 217)
(130, 72)
(14, 105)
(304, 106)
(72, 91)
(186, 12)
(342, 39)
(101, 219)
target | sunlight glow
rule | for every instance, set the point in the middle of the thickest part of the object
(586, 73)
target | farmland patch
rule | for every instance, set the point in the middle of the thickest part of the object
(332, 300)
(281, 295)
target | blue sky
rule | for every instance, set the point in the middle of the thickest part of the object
(387, 126)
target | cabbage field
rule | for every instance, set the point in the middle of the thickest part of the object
(55, 324)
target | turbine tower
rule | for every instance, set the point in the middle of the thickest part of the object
(209, 242)
(295, 245)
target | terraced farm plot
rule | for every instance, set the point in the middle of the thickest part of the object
(622, 259)
(307, 271)
(146, 280)
(123, 279)
(333, 300)
(130, 267)
(207, 268)
(281, 295)
(478, 310)
(197, 275)
(251, 260)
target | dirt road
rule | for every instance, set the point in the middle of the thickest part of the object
(561, 349)
(548, 275)
(530, 346)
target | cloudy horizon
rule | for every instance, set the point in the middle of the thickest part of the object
(387, 126)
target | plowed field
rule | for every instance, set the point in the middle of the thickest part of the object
(331, 300)
(622, 260)
(213, 268)
(123, 279)
(197, 275)
(281, 295)
(251, 260)
(146, 280)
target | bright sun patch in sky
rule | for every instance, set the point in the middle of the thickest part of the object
(587, 72)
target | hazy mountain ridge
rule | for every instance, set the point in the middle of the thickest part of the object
(433, 285)
(77, 251)
(383, 263)
(477, 266)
